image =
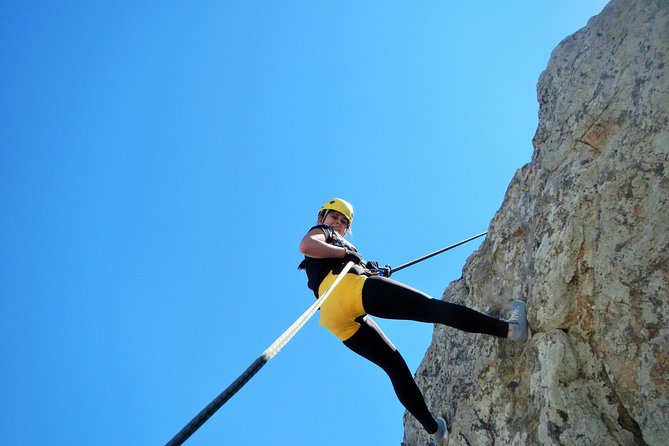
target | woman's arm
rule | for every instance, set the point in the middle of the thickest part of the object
(313, 245)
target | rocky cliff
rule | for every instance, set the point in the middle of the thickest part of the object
(583, 237)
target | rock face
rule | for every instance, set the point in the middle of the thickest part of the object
(583, 237)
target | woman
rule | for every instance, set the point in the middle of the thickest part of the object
(362, 292)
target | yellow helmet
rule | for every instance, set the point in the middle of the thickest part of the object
(339, 205)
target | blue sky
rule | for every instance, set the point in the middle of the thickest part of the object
(161, 161)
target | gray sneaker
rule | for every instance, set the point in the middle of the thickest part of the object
(441, 435)
(518, 321)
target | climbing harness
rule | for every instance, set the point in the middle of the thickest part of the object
(268, 354)
(282, 340)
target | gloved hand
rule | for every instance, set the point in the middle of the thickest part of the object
(353, 256)
(372, 265)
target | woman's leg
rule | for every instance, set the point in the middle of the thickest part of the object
(370, 343)
(390, 299)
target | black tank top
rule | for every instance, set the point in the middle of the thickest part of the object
(318, 269)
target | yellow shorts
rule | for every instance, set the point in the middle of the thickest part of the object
(344, 306)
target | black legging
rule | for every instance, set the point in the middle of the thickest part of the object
(390, 299)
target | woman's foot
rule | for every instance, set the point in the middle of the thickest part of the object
(518, 321)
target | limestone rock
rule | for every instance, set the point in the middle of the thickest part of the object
(583, 237)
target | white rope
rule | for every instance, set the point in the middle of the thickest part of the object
(282, 340)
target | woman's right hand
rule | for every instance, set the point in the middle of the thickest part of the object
(353, 256)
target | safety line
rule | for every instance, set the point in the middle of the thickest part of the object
(432, 254)
(268, 354)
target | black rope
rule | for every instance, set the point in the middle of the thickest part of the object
(218, 402)
(432, 254)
